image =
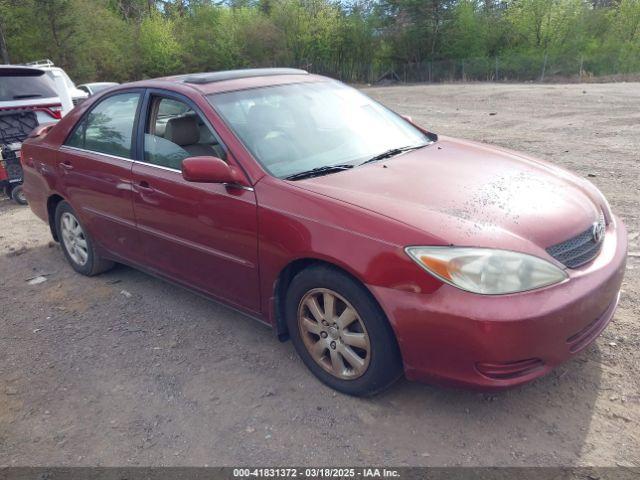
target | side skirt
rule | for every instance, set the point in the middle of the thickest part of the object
(154, 273)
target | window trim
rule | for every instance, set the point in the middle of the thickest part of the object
(145, 117)
(84, 150)
(134, 137)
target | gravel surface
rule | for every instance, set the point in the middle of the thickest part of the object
(125, 369)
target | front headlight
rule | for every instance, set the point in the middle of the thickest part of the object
(485, 270)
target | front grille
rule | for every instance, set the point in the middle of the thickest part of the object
(580, 249)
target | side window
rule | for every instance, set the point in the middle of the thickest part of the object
(175, 132)
(108, 128)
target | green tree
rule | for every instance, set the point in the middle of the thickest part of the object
(352, 39)
(546, 24)
(467, 32)
(159, 50)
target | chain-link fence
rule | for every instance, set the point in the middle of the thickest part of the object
(534, 67)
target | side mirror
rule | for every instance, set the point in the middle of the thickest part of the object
(210, 170)
(432, 136)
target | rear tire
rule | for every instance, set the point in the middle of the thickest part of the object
(341, 333)
(76, 243)
(17, 195)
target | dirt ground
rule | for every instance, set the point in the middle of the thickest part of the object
(124, 369)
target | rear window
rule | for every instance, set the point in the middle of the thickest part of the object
(16, 84)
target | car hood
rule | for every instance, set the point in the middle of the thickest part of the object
(464, 193)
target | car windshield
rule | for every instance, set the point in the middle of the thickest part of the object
(296, 128)
(24, 85)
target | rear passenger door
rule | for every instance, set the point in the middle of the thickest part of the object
(200, 234)
(95, 171)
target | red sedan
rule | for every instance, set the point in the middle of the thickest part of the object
(376, 246)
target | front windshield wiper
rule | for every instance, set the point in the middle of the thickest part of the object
(393, 152)
(316, 172)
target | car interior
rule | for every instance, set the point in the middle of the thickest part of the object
(286, 133)
(175, 132)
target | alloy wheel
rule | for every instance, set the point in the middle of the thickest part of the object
(334, 334)
(74, 239)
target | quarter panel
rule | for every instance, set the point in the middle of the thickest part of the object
(39, 180)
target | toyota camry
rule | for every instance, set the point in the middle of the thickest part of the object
(378, 247)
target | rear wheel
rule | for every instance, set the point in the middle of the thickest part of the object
(341, 333)
(17, 195)
(76, 243)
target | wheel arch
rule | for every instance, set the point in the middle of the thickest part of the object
(287, 274)
(52, 204)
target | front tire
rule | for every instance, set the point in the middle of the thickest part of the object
(341, 333)
(76, 243)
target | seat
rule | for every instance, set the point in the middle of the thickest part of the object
(184, 131)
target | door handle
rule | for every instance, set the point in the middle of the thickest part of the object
(66, 165)
(144, 186)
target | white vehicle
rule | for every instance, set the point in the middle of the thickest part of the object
(95, 87)
(69, 94)
(28, 98)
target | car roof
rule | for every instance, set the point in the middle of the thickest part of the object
(229, 80)
(212, 77)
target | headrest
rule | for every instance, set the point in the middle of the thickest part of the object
(182, 130)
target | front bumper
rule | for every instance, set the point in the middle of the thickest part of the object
(487, 342)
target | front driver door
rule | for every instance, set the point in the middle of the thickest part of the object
(201, 234)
